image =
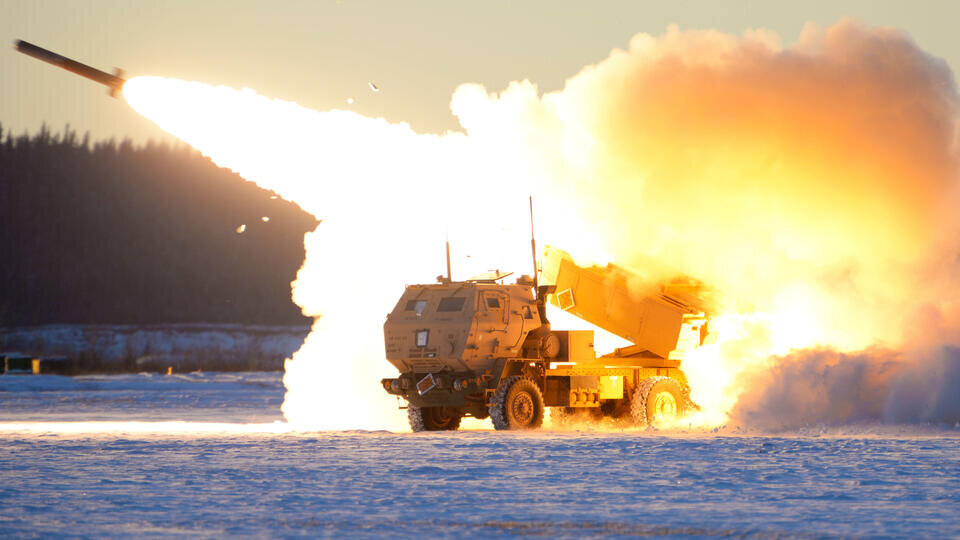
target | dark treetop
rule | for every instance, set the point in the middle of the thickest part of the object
(113, 233)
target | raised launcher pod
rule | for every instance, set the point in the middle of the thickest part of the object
(113, 82)
(660, 310)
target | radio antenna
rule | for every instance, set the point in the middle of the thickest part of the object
(533, 248)
(449, 274)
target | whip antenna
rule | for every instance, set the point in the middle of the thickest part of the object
(449, 275)
(533, 247)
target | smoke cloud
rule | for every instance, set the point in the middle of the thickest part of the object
(828, 388)
(813, 185)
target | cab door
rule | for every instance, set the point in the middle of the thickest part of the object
(496, 316)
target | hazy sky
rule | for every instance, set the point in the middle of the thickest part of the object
(320, 53)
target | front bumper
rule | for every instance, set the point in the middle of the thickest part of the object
(449, 389)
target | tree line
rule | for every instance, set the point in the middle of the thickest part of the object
(117, 233)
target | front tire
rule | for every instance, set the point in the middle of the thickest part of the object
(518, 404)
(433, 418)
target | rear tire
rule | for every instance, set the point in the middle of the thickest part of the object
(433, 418)
(518, 404)
(658, 401)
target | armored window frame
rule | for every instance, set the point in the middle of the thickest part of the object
(502, 304)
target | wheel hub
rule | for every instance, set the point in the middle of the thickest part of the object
(664, 407)
(522, 408)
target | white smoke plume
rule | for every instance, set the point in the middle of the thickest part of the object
(822, 387)
(814, 185)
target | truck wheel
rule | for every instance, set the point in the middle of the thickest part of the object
(433, 418)
(657, 401)
(518, 404)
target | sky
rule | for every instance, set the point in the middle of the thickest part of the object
(322, 53)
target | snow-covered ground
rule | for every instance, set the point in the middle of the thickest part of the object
(125, 475)
(196, 397)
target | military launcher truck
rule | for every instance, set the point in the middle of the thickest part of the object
(482, 348)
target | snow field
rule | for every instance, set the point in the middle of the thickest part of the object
(172, 480)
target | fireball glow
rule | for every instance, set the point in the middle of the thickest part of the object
(812, 185)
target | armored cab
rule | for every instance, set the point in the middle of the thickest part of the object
(459, 327)
(451, 340)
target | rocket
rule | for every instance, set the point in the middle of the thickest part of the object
(113, 82)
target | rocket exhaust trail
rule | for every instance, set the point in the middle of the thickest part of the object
(113, 82)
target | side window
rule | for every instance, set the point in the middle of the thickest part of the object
(416, 305)
(451, 304)
(496, 304)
